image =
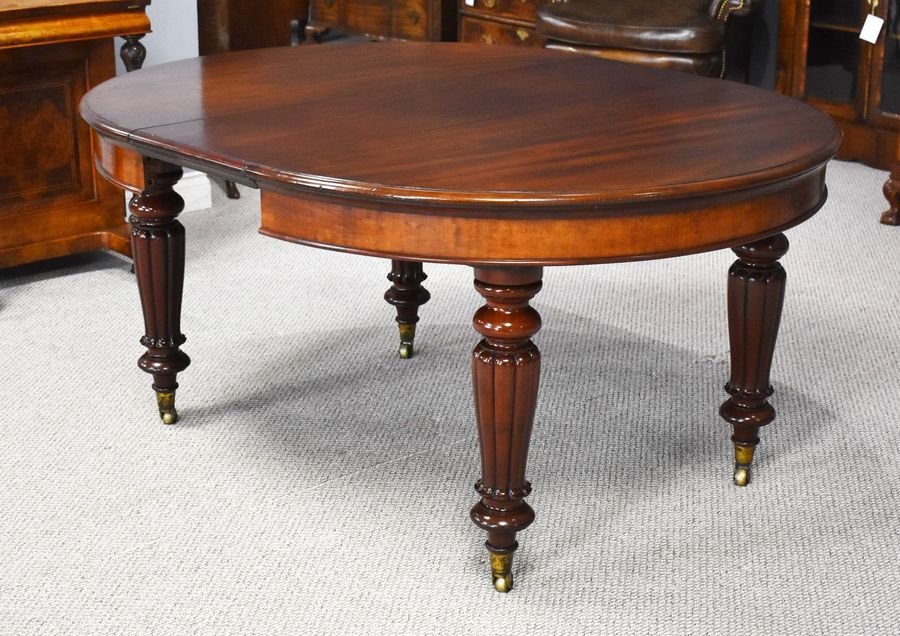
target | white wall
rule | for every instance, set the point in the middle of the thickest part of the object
(174, 36)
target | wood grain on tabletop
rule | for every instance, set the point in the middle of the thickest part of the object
(466, 123)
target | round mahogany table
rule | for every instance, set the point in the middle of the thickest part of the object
(504, 159)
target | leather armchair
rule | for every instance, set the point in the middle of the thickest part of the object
(706, 37)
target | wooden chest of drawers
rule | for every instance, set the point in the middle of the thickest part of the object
(499, 22)
(52, 201)
(419, 20)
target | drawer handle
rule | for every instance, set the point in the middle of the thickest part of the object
(522, 33)
(488, 38)
(329, 3)
(490, 4)
(414, 17)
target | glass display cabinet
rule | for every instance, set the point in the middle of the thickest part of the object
(822, 61)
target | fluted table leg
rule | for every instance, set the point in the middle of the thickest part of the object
(407, 295)
(756, 285)
(157, 242)
(505, 370)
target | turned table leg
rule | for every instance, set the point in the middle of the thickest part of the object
(407, 295)
(231, 190)
(157, 242)
(892, 193)
(756, 284)
(313, 34)
(505, 370)
(133, 52)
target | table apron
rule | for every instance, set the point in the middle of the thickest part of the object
(526, 235)
(556, 237)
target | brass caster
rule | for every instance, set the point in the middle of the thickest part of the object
(503, 584)
(165, 400)
(501, 571)
(743, 458)
(741, 475)
(407, 335)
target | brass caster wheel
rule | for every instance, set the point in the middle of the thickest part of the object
(407, 335)
(741, 475)
(503, 584)
(501, 571)
(743, 458)
(165, 400)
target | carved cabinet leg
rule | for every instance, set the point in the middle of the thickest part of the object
(505, 371)
(756, 284)
(892, 194)
(407, 295)
(157, 242)
(133, 52)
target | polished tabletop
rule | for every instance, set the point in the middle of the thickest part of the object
(463, 124)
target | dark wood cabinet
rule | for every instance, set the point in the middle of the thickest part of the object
(499, 22)
(236, 25)
(417, 20)
(52, 201)
(822, 61)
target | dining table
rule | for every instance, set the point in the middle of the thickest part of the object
(506, 160)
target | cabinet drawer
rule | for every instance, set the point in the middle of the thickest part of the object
(523, 10)
(402, 19)
(325, 13)
(489, 32)
(410, 20)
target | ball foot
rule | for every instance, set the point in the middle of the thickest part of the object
(891, 217)
(165, 400)
(501, 571)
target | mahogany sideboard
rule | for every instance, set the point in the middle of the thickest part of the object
(52, 201)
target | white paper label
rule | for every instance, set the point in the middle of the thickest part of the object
(871, 29)
(470, 3)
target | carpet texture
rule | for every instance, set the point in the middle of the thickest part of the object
(317, 484)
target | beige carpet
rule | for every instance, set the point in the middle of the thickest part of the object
(319, 485)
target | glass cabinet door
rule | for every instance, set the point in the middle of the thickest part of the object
(832, 58)
(890, 74)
